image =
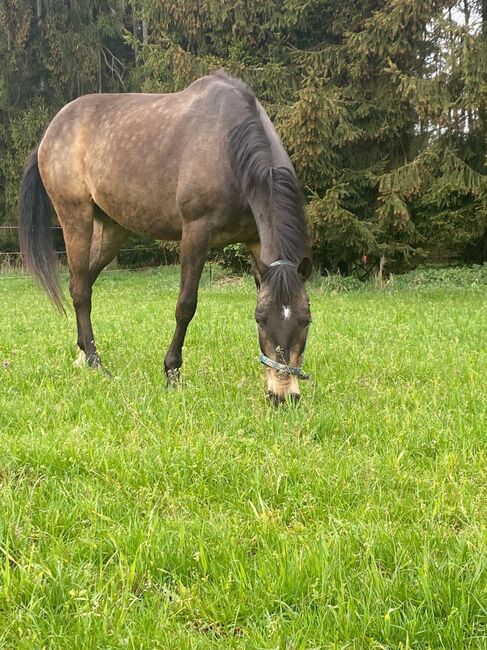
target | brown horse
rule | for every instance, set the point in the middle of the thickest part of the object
(204, 167)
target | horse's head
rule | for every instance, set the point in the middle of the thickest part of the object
(283, 317)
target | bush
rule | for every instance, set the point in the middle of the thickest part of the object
(233, 257)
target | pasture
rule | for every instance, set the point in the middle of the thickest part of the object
(138, 517)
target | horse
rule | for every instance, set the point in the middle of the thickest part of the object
(203, 166)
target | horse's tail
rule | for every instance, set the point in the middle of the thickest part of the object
(36, 241)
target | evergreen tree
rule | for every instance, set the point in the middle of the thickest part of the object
(381, 104)
(50, 53)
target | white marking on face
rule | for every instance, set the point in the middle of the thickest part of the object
(286, 312)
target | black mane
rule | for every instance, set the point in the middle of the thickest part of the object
(283, 282)
(274, 197)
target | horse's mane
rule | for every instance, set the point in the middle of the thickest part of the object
(273, 194)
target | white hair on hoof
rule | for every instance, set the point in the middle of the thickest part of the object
(80, 360)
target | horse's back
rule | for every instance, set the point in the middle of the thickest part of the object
(147, 160)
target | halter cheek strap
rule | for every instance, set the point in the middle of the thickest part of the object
(281, 367)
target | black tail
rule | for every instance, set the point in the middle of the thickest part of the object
(36, 233)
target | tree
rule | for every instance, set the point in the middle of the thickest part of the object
(381, 104)
(51, 53)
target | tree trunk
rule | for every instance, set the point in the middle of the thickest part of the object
(135, 24)
(379, 277)
(39, 26)
(482, 106)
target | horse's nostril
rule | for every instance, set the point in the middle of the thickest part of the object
(275, 399)
(292, 398)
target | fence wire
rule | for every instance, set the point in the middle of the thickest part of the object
(122, 250)
(13, 256)
(12, 260)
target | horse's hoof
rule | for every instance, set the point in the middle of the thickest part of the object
(104, 371)
(93, 362)
(173, 375)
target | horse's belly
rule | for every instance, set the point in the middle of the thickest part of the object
(237, 228)
(143, 213)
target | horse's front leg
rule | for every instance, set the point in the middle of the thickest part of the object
(194, 249)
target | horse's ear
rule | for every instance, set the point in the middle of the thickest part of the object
(305, 268)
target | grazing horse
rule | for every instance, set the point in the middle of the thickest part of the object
(203, 166)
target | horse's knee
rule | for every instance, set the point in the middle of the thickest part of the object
(185, 309)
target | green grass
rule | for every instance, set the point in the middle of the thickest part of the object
(136, 517)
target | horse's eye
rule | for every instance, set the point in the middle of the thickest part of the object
(260, 321)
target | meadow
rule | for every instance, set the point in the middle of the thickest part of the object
(133, 516)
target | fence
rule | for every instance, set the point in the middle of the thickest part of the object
(138, 253)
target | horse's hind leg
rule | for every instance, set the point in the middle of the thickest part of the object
(108, 237)
(77, 222)
(88, 250)
(76, 219)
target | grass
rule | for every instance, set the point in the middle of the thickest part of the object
(136, 517)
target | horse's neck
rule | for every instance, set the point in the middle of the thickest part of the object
(278, 153)
(265, 162)
(265, 219)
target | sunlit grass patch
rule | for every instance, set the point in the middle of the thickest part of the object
(134, 516)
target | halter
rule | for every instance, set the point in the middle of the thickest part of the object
(281, 367)
(282, 263)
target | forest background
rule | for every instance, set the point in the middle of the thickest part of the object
(382, 104)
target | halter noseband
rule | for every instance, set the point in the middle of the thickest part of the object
(281, 367)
